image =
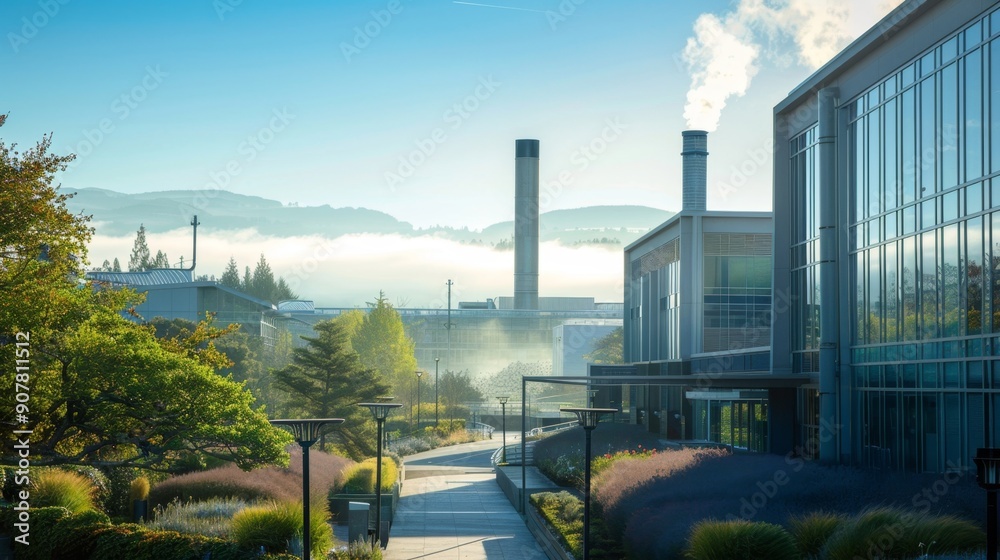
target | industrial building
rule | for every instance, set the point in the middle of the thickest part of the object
(480, 337)
(697, 323)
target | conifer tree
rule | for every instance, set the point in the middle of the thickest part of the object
(231, 277)
(161, 261)
(140, 252)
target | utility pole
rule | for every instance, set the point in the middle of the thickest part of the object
(449, 325)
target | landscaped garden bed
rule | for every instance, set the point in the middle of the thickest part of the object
(669, 504)
(222, 514)
(358, 485)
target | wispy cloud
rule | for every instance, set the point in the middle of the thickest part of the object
(727, 51)
(498, 7)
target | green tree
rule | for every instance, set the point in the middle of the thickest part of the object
(282, 292)
(382, 344)
(160, 261)
(327, 380)
(140, 252)
(40, 240)
(103, 391)
(351, 321)
(231, 277)
(117, 397)
(456, 389)
(241, 355)
(262, 283)
(609, 349)
(116, 267)
(247, 283)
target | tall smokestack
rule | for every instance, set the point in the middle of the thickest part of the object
(695, 163)
(526, 224)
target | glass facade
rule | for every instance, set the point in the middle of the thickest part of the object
(805, 252)
(737, 291)
(654, 309)
(924, 151)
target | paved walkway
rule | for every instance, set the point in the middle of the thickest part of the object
(458, 516)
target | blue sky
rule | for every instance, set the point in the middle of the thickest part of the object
(411, 107)
(221, 69)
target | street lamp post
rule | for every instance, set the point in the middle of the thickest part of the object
(503, 414)
(437, 362)
(419, 373)
(588, 418)
(380, 411)
(306, 432)
(987, 462)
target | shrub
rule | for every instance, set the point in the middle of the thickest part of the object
(740, 539)
(564, 512)
(360, 478)
(270, 483)
(59, 488)
(813, 530)
(135, 542)
(357, 550)
(651, 508)
(622, 487)
(55, 529)
(884, 532)
(603, 462)
(139, 489)
(278, 526)
(610, 438)
(210, 518)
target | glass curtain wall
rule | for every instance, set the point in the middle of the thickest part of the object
(805, 252)
(925, 155)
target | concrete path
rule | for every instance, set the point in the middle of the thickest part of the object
(458, 515)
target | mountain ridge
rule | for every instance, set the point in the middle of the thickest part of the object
(121, 214)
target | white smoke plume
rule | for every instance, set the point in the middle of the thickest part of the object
(725, 52)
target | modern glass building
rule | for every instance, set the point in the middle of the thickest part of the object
(698, 325)
(886, 208)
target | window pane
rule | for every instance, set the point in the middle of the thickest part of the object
(928, 145)
(908, 125)
(950, 274)
(874, 162)
(891, 156)
(973, 116)
(995, 102)
(949, 126)
(929, 286)
(973, 271)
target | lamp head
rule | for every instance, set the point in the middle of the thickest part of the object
(503, 400)
(589, 417)
(306, 430)
(380, 410)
